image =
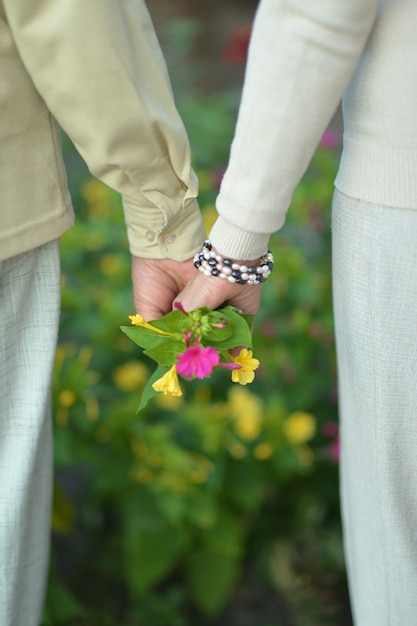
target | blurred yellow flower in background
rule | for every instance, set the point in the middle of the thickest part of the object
(67, 397)
(305, 454)
(247, 412)
(96, 195)
(130, 375)
(111, 265)
(209, 215)
(299, 427)
(263, 451)
(169, 402)
(92, 407)
(236, 449)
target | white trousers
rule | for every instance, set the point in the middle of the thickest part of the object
(29, 312)
(375, 297)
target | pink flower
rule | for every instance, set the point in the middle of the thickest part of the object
(330, 139)
(335, 451)
(197, 361)
(218, 177)
(330, 429)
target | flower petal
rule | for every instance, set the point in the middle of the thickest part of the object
(197, 361)
(168, 383)
(248, 364)
(138, 320)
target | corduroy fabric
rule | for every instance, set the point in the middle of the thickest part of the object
(375, 299)
(29, 312)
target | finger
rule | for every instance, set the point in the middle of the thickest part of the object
(201, 291)
(212, 292)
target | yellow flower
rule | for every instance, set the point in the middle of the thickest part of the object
(237, 450)
(168, 383)
(247, 413)
(67, 397)
(142, 475)
(263, 451)
(248, 365)
(97, 197)
(130, 375)
(300, 427)
(305, 454)
(94, 191)
(209, 215)
(111, 265)
(137, 320)
(169, 402)
(92, 407)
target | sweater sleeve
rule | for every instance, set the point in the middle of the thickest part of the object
(99, 68)
(301, 57)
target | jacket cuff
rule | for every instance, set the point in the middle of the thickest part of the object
(237, 243)
(153, 235)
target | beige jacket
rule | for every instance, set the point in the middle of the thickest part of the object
(96, 68)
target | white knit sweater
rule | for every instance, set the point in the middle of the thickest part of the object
(303, 56)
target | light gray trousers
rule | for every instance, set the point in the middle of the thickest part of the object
(375, 299)
(29, 312)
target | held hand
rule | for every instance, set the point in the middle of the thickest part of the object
(157, 283)
(212, 292)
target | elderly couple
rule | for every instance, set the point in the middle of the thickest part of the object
(95, 68)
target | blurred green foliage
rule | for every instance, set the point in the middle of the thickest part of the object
(160, 519)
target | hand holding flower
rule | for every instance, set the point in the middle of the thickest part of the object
(193, 345)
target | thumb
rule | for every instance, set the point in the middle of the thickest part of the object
(203, 291)
(212, 292)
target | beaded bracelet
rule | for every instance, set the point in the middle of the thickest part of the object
(213, 264)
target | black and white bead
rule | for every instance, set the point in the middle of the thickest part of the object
(213, 264)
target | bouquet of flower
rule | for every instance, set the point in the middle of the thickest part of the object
(192, 345)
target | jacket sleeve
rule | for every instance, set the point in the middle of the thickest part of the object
(301, 57)
(99, 68)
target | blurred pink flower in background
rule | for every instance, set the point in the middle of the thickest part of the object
(330, 139)
(217, 177)
(331, 430)
(335, 450)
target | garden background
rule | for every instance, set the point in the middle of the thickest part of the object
(219, 508)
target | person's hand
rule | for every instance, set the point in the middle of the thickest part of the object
(157, 283)
(212, 292)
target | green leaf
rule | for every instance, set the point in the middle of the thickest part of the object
(249, 319)
(150, 556)
(166, 352)
(227, 535)
(211, 578)
(173, 506)
(149, 392)
(173, 322)
(60, 606)
(240, 332)
(218, 335)
(143, 337)
(142, 510)
(202, 510)
(244, 485)
(63, 512)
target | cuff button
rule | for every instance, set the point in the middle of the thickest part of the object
(169, 238)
